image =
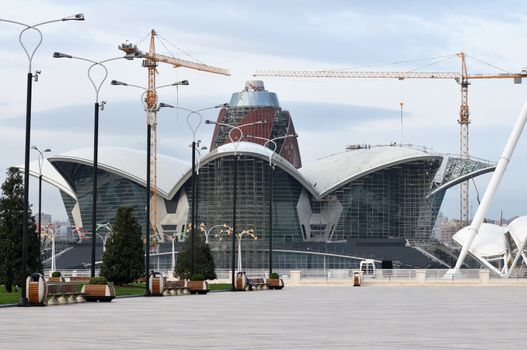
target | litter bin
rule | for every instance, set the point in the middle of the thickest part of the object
(356, 279)
(36, 289)
(156, 283)
(241, 281)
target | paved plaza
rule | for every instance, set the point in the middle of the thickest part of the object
(316, 317)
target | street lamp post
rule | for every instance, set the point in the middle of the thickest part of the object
(51, 233)
(194, 126)
(239, 237)
(194, 129)
(149, 110)
(173, 238)
(235, 168)
(207, 232)
(30, 54)
(202, 225)
(104, 237)
(40, 164)
(271, 170)
(97, 87)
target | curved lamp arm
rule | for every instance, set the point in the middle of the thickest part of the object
(31, 53)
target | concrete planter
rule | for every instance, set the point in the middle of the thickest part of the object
(275, 283)
(198, 287)
(99, 292)
(55, 279)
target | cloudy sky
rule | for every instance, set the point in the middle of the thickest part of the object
(245, 36)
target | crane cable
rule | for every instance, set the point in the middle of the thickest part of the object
(431, 64)
(393, 63)
(488, 64)
(163, 40)
(401, 105)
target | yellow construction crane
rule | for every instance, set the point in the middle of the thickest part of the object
(462, 77)
(150, 62)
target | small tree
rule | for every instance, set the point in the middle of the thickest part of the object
(204, 263)
(11, 230)
(123, 260)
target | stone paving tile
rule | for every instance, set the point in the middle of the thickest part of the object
(294, 318)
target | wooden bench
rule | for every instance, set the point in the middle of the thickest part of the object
(64, 293)
(256, 283)
(178, 287)
(79, 279)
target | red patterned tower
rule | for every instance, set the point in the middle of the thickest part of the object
(252, 104)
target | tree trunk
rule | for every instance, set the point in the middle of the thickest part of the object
(9, 284)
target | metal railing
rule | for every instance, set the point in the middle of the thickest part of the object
(331, 274)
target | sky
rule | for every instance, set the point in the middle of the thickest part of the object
(329, 114)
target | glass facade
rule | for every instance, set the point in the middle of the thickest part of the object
(113, 192)
(252, 207)
(390, 203)
(370, 217)
(387, 204)
(69, 204)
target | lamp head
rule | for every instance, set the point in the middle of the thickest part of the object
(77, 17)
(117, 82)
(182, 82)
(61, 55)
(34, 147)
(223, 105)
(165, 105)
(209, 122)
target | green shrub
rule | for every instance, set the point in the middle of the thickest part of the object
(56, 274)
(123, 259)
(274, 276)
(197, 277)
(98, 280)
(204, 261)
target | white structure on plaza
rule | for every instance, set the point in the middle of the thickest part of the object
(500, 248)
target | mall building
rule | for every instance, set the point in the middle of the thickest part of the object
(367, 202)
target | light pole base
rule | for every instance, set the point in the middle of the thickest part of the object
(23, 301)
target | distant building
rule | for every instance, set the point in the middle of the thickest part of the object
(448, 229)
(46, 219)
(365, 202)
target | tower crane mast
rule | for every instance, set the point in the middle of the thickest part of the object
(150, 62)
(462, 77)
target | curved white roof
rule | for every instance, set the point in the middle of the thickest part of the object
(333, 171)
(518, 230)
(319, 178)
(489, 242)
(49, 175)
(131, 164)
(249, 149)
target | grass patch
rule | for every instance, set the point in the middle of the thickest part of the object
(220, 286)
(9, 298)
(130, 289)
